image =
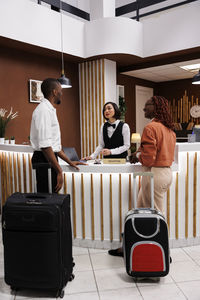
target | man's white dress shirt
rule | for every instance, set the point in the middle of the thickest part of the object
(45, 129)
(111, 130)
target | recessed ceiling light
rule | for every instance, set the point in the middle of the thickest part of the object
(192, 68)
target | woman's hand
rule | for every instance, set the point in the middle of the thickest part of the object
(106, 152)
(133, 158)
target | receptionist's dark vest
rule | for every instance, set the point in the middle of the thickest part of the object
(115, 141)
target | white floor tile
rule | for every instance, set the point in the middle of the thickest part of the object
(102, 261)
(1, 271)
(82, 263)
(197, 261)
(178, 254)
(82, 296)
(95, 251)
(185, 271)
(5, 291)
(193, 252)
(152, 281)
(121, 294)
(190, 289)
(79, 250)
(113, 279)
(164, 292)
(83, 282)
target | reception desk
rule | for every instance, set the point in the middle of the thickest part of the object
(101, 195)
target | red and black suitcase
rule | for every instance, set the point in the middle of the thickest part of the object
(145, 239)
(37, 241)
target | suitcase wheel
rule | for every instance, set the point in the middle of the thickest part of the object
(71, 277)
(13, 288)
(60, 293)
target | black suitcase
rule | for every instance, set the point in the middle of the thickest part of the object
(145, 239)
(37, 241)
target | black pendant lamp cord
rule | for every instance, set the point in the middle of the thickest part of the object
(61, 26)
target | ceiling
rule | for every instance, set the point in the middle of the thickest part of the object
(159, 68)
(166, 72)
(156, 69)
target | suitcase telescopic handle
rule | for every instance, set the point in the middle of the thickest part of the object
(37, 166)
(135, 174)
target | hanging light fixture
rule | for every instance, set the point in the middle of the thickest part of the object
(64, 81)
(196, 79)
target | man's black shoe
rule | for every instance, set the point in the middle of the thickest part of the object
(116, 252)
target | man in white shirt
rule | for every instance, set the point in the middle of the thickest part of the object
(45, 137)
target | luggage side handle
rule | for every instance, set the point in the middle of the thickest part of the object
(135, 174)
(147, 236)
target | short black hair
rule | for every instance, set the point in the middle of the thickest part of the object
(48, 85)
(117, 114)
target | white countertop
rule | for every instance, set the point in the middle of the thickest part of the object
(27, 148)
(105, 168)
(187, 147)
(16, 148)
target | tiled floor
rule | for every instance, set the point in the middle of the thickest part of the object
(100, 276)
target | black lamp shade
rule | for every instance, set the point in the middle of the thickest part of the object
(196, 79)
(64, 81)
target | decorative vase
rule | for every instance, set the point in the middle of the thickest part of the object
(6, 142)
(2, 140)
(12, 142)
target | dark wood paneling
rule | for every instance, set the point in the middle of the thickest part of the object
(16, 68)
(176, 89)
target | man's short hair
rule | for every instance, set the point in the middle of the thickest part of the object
(48, 85)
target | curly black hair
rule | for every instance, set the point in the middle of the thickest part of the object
(162, 113)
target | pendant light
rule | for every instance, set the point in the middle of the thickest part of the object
(196, 79)
(64, 81)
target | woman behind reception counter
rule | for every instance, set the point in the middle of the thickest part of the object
(114, 138)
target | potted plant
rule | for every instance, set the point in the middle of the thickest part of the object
(12, 140)
(6, 140)
(122, 107)
(4, 120)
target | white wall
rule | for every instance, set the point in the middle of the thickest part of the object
(102, 9)
(35, 24)
(110, 80)
(169, 31)
(113, 35)
(172, 30)
(142, 94)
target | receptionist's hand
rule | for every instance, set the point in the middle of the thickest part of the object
(106, 152)
(86, 158)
